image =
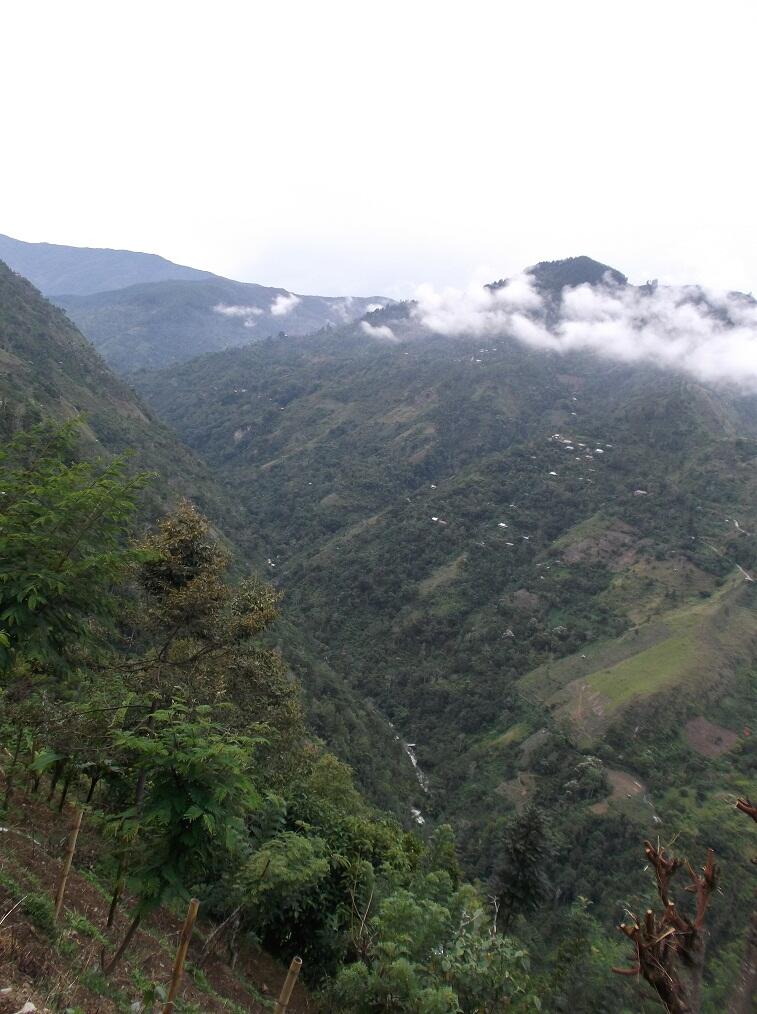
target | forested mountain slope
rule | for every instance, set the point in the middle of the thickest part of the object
(170, 321)
(49, 370)
(141, 701)
(538, 565)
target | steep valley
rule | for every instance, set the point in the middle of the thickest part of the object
(509, 575)
(538, 566)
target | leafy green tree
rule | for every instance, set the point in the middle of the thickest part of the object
(578, 981)
(283, 876)
(199, 789)
(192, 627)
(434, 949)
(62, 524)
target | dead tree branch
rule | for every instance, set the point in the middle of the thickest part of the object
(669, 946)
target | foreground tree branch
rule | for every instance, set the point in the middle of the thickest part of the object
(669, 947)
(743, 998)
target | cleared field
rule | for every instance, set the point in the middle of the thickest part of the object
(699, 645)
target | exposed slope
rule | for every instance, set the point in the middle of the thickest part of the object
(171, 321)
(54, 268)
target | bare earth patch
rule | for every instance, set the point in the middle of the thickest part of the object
(615, 547)
(518, 790)
(623, 786)
(709, 738)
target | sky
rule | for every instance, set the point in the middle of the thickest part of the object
(369, 148)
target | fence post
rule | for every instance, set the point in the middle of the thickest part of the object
(286, 989)
(67, 863)
(181, 954)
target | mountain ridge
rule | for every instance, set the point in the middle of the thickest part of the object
(57, 268)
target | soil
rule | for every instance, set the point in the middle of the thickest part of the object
(708, 738)
(32, 845)
(622, 786)
(615, 547)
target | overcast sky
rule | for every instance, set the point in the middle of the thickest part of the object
(367, 147)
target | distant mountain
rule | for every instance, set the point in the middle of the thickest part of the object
(56, 269)
(153, 325)
(574, 271)
(143, 311)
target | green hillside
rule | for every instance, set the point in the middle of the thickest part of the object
(48, 369)
(152, 325)
(508, 577)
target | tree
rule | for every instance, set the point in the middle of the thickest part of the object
(190, 624)
(520, 883)
(61, 545)
(433, 950)
(199, 790)
(743, 999)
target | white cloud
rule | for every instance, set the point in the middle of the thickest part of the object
(477, 310)
(247, 313)
(380, 331)
(284, 304)
(711, 335)
(237, 311)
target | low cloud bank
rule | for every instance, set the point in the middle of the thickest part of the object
(382, 332)
(247, 313)
(711, 335)
(284, 304)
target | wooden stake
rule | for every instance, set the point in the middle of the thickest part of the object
(181, 953)
(67, 863)
(286, 989)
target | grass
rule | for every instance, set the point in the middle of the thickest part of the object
(442, 575)
(514, 734)
(34, 903)
(657, 668)
(81, 924)
(701, 644)
(591, 527)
